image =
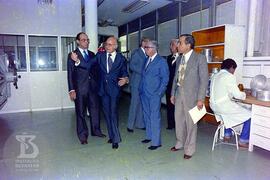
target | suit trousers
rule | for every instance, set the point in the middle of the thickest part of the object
(151, 112)
(186, 130)
(110, 111)
(170, 111)
(91, 101)
(135, 116)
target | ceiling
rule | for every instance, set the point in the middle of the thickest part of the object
(111, 10)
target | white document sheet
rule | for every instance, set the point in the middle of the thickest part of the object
(197, 114)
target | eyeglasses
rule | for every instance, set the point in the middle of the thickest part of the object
(84, 40)
(148, 47)
(107, 44)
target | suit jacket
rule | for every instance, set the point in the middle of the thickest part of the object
(155, 77)
(81, 79)
(172, 73)
(108, 82)
(136, 66)
(195, 80)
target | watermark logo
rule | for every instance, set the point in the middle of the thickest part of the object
(28, 149)
(27, 160)
(22, 154)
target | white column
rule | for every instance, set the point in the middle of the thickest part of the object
(251, 27)
(241, 16)
(91, 26)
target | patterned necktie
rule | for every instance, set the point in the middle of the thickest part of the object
(182, 71)
(85, 56)
(110, 62)
(173, 59)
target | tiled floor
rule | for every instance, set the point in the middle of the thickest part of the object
(59, 155)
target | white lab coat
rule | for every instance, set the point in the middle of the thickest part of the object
(223, 88)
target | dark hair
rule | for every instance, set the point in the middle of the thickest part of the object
(228, 63)
(189, 39)
(78, 35)
(144, 39)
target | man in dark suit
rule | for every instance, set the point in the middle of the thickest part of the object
(136, 66)
(188, 90)
(82, 85)
(171, 61)
(155, 78)
(112, 75)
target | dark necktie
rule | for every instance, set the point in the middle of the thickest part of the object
(148, 62)
(110, 62)
(85, 56)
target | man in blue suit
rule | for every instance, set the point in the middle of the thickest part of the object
(136, 66)
(155, 78)
(112, 75)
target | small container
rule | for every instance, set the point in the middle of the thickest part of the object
(263, 95)
(208, 54)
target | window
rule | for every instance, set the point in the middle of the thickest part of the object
(223, 15)
(43, 53)
(68, 44)
(149, 32)
(195, 21)
(133, 41)
(14, 47)
(123, 45)
(166, 32)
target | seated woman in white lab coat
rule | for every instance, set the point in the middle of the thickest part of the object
(223, 88)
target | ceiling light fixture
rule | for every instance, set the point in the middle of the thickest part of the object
(135, 5)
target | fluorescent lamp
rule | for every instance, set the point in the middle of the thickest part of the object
(135, 5)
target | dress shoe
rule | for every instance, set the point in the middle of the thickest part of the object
(99, 135)
(109, 141)
(153, 147)
(115, 145)
(243, 145)
(84, 142)
(130, 130)
(146, 141)
(174, 149)
(187, 156)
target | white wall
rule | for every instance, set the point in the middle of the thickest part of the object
(40, 90)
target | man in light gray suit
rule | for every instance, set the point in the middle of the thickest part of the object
(188, 90)
(136, 66)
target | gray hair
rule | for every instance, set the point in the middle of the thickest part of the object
(154, 44)
(174, 41)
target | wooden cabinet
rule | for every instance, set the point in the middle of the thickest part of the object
(225, 41)
(260, 127)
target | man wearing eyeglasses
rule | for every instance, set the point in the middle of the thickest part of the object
(82, 85)
(136, 66)
(154, 80)
(112, 76)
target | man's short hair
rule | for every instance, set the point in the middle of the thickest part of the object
(79, 34)
(144, 39)
(228, 63)
(189, 39)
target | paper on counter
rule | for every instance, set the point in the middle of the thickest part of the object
(197, 114)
